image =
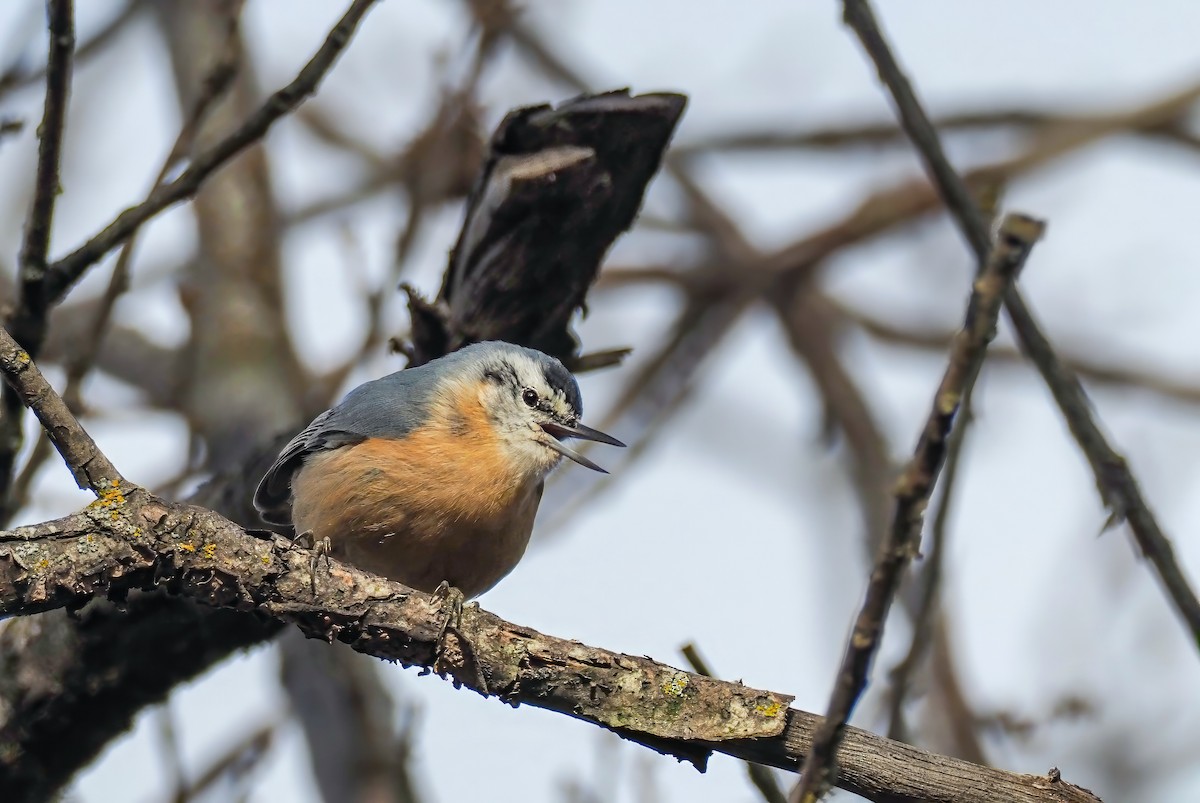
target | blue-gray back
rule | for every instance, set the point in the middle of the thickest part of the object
(389, 407)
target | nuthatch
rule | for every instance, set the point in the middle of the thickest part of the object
(432, 476)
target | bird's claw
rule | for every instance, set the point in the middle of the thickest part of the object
(320, 549)
(451, 601)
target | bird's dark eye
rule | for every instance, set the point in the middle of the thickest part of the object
(530, 397)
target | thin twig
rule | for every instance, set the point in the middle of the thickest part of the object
(763, 779)
(1117, 486)
(36, 244)
(18, 493)
(1013, 244)
(880, 134)
(29, 320)
(1087, 366)
(14, 78)
(89, 465)
(66, 271)
(242, 757)
(929, 579)
(924, 609)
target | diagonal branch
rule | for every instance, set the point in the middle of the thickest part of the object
(89, 465)
(928, 582)
(1013, 244)
(66, 271)
(1114, 480)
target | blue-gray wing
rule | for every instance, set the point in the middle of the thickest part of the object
(389, 407)
(273, 497)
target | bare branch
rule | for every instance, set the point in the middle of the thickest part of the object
(1114, 480)
(1034, 121)
(89, 465)
(140, 541)
(50, 139)
(14, 77)
(929, 581)
(1013, 244)
(66, 271)
(238, 761)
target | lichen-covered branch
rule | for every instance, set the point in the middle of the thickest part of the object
(125, 542)
(1013, 243)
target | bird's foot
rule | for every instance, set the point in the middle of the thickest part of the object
(451, 601)
(320, 549)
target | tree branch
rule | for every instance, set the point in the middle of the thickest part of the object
(217, 83)
(928, 582)
(1013, 244)
(119, 545)
(89, 465)
(61, 18)
(1117, 486)
(66, 271)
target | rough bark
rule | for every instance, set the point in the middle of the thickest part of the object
(124, 543)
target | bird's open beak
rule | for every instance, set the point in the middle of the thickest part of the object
(582, 432)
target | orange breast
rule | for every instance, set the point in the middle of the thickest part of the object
(443, 503)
